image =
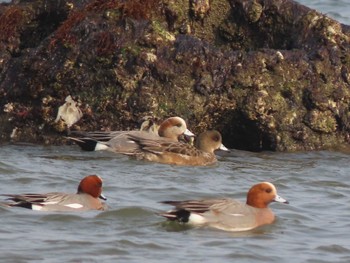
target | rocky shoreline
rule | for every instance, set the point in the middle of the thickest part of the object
(269, 74)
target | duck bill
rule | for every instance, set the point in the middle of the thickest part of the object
(102, 197)
(189, 133)
(280, 200)
(223, 148)
(187, 137)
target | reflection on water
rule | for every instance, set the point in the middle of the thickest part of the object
(312, 228)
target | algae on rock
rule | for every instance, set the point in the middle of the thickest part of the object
(268, 74)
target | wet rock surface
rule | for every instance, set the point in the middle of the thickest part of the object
(269, 75)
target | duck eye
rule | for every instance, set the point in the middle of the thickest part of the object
(268, 190)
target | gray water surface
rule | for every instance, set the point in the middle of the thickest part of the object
(314, 227)
(337, 9)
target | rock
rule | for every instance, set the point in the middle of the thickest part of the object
(269, 74)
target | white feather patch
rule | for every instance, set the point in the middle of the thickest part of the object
(37, 207)
(75, 205)
(196, 219)
(101, 147)
(236, 214)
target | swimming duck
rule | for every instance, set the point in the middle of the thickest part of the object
(228, 214)
(87, 198)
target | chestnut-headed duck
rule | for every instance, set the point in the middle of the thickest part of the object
(179, 153)
(117, 141)
(228, 214)
(86, 198)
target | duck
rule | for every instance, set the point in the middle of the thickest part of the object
(117, 141)
(178, 153)
(87, 198)
(228, 214)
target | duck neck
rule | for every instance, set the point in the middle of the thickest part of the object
(254, 202)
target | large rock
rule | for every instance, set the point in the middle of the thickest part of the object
(270, 75)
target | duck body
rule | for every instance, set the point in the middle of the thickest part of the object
(223, 214)
(56, 201)
(228, 214)
(169, 152)
(178, 153)
(87, 198)
(119, 142)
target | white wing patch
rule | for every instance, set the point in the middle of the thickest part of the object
(76, 206)
(236, 214)
(37, 207)
(196, 219)
(101, 147)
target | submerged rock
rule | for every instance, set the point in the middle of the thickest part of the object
(268, 74)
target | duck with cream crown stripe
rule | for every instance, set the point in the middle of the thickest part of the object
(87, 198)
(116, 141)
(228, 214)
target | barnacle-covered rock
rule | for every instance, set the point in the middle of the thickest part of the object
(321, 121)
(252, 10)
(269, 74)
(199, 8)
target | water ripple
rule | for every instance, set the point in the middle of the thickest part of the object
(312, 228)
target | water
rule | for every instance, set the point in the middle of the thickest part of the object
(337, 9)
(312, 228)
